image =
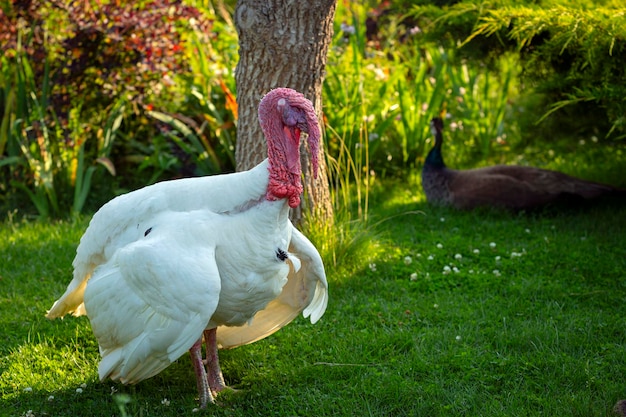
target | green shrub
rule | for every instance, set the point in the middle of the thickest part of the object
(74, 77)
(572, 57)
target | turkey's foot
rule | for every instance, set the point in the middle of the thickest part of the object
(214, 375)
(205, 395)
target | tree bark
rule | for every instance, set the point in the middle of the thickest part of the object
(283, 43)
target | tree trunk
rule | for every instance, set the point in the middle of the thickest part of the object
(283, 43)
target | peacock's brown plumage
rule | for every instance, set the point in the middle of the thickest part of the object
(506, 186)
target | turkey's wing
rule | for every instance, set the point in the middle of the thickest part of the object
(306, 291)
(149, 304)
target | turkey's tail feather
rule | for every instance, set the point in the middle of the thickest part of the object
(266, 322)
(70, 302)
(318, 305)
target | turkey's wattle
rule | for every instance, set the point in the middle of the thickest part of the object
(163, 267)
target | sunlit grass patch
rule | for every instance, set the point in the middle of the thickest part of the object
(418, 323)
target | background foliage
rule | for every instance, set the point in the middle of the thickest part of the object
(569, 54)
(101, 98)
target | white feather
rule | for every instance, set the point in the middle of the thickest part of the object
(159, 265)
(306, 291)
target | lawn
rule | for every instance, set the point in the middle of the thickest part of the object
(439, 313)
(432, 312)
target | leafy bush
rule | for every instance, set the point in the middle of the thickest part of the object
(67, 68)
(571, 54)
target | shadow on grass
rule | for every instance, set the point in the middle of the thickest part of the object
(61, 392)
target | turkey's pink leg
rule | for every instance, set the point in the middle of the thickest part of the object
(204, 393)
(213, 370)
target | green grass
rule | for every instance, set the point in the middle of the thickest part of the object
(544, 336)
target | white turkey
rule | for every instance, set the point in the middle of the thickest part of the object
(161, 267)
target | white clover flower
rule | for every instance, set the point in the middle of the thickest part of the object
(195, 410)
(28, 389)
(435, 305)
(471, 271)
(83, 385)
(430, 257)
(443, 219)
(407, 260)
(492, 245)
(476, 251)
(458, 256)
(373, 267)
(446, 270)
(79, 390)
(414, 276)
(29, 413)
(419, 255)
(527, 230)
(455, 269)
(515, 254)
(498, 258)
(439, 246)
(51, 398)
(165, 402)
(496, 272)
(458, 338)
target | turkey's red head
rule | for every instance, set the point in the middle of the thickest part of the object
(285, 113)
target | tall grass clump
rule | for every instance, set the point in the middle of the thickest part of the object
(379, 98)
(391, 90)
(57, 177)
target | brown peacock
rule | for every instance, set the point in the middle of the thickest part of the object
(505, 186)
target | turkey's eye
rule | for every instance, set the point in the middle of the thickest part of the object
(147, 232)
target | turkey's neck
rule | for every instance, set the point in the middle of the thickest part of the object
(284, 185)
(285, 169)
